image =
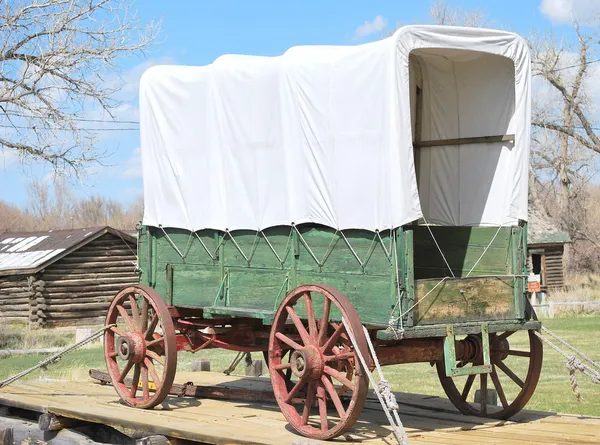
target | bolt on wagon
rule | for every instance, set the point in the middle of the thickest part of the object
(291, 201)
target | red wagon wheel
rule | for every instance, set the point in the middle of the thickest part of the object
(324, 365)
(141, 350)
(515, 373)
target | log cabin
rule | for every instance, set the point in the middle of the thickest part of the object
(546, 246)
(64, 277)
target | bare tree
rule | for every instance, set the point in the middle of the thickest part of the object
(51, 203)
(564, 142)
(58, 61)
(14, 220)
(443, 14)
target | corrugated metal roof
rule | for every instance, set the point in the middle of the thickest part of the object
(30, 250)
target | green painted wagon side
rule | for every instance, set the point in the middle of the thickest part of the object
(383, 274)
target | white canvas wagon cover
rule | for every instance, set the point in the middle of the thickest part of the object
(325, 134)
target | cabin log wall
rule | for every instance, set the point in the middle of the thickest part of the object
(78, 289)
(16, 298)
(553, 265)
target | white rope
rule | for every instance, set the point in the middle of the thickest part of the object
(352, 249)
(171, 242)
(398, 304)
(287, 244)
(439, 248)
(332, 244)
(212, 257)
(424, 296)
(382, 389)
(484, 251)
(573, 363)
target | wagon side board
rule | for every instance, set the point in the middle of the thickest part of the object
(383, 274)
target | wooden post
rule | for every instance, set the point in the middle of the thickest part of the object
(6, 436)
(492, 397)
(51, 422)
(201, 364)
(255, 369)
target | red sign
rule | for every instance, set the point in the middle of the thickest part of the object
(534, 286)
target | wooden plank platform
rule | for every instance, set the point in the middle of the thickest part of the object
(428, 420)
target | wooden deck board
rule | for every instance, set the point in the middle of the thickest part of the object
(428, 420)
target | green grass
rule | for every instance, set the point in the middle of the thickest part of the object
(552, 394)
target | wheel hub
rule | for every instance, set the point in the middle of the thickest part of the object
(500, 348)
(472, 348)
(131, 348)
(307, 361)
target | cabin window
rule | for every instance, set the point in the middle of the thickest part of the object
(536, 263)
(462, 106)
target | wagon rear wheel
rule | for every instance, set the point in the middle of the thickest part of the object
(516, 366)
(141, 350)
(329, 387)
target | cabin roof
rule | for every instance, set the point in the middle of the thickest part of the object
(29, 252)
(542, 230)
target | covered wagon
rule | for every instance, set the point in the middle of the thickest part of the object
(292, 200)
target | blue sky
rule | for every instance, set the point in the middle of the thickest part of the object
(196, 32)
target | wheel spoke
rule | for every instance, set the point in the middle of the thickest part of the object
(152, 371)
(322, 399)
(117, 331)
(282, 366)
(145, 384)
(113, 354)
(467, 388)
(519, 353)
(155, 342)
(308, 402)
(334, 338)
(484, 399)
(126, 318)
(509, 373)
(339, 377)
(135, 313)
(299, 326)
(125, 371)
(288, 341)
(337, 357)
(324, 323)
(154, 356)
(297, 387)
(498, 386)
(505, 335)
(135, 381)
(310, 315)
(151, 328)
(333, 395)
(144, 323)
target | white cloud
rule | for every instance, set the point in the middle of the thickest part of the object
(567, 11)
(370, 27)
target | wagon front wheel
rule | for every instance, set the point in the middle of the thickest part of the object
(516, 358)
(140, 348)
(321, 389)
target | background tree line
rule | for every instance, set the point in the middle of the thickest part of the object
(53, 205)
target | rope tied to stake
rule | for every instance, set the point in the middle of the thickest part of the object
(383, 390)
(573, 364)
(56, 357)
